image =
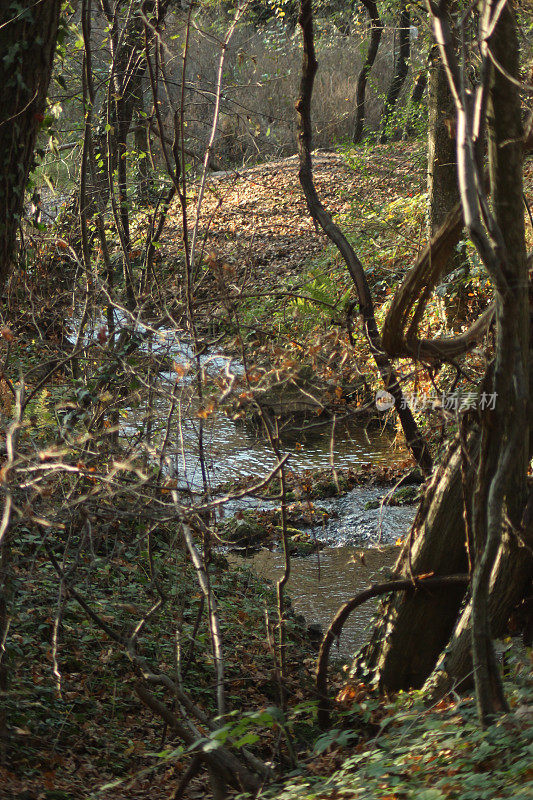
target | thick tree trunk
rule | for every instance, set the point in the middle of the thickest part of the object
(443, 188)
(28, 32)
(507, 427)
(510, 577)
(501, 483)
(376, 29)
(413, 628)
(413, 631)
(442, 183)
(400, 71)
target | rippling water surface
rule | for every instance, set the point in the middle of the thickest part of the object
(319, 584)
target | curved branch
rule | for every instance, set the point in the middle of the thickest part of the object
(447, 348)
(420, 281)
(399, 335)
(339, 620)
(414, 438)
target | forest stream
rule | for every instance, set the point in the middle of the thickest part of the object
(358, 541)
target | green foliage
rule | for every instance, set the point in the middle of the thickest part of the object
(434, 752)
(241, 730)
(336, 737)
(324, 297)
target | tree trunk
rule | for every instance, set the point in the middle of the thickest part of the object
(507, 426)
(502, 476)
(415, 104)
(443, 188)
(442, 183)
(28, 32)
(142, 149)
(413, 631)
(413, 628)
(400, 71)
(128, 64)
(376, 29)
(510, 577)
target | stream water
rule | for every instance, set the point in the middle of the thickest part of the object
(320, 583)
(232, 451)
(359, 541)
(360, 549)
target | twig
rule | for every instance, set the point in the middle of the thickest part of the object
(214, 626)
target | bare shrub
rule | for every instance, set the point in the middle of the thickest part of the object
(261, 82)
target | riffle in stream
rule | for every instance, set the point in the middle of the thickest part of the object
(361, 548)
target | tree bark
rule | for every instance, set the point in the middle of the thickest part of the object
(443, 189)
(413, 632)
(442, 184)
(28, 33)
(502, 478)
(504, 567)
(376, 29)
(142, 150)
(413, 629)
(510, 576)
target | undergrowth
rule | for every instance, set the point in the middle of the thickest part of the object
(70, 682)
(422, 751)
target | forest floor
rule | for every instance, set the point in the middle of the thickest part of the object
(257, 219)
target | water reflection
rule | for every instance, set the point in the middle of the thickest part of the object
(232, 452)
(320, 583)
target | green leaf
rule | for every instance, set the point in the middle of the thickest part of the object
(248, 738)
